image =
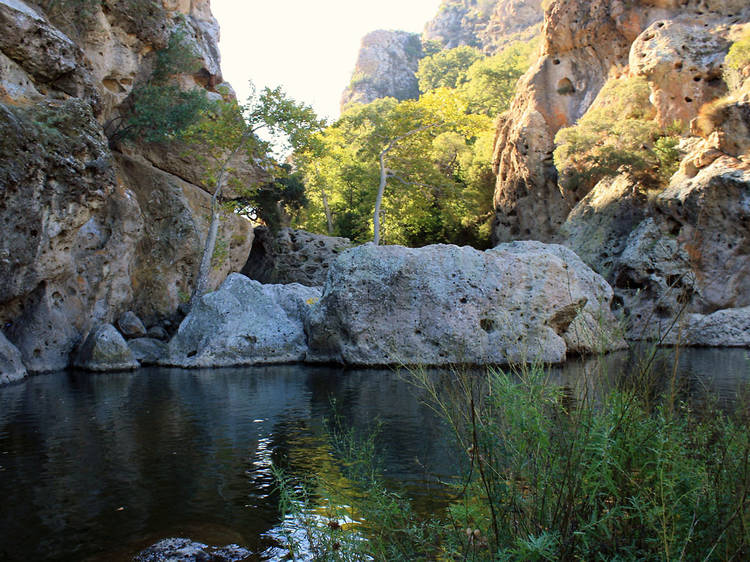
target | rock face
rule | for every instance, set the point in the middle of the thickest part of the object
(292, 256)
(11, 365)
(679, 49)
(675, 254)
(244, 323)
(69, 231)
(105, 350)
(175, 219)
(437, 305)
(386, 67)
(488, 25)
(89, 233)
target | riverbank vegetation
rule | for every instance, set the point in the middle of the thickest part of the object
(620, 468)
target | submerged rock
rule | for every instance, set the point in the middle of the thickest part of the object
(185, 550)
(11, 366)
(244, 323)
(148, 351)
(105, 350)
(523, 301)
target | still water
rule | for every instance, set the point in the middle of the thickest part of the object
(97, 467)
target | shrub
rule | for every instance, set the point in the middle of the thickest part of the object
(618, 133)
(160, 110)
(623, 469)
(736, 60)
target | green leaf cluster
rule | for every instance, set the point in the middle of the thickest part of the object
(617, 134)
(438, 188)
(488, 83)
(160, 110)
(440, 182)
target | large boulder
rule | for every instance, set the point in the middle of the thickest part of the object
(148, 351)
(523, 301)
(244, 323)
(11, 365)
(105, 350)
(292, 256)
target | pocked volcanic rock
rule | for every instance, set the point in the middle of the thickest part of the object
(522, 301)
(244, 323)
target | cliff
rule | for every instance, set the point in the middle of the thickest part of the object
(486, 24)
(388, 60)
(675, 247)
(385, 67)
(93, 227)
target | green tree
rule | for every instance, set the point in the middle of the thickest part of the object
(227, 132)
(490, 82)
(446, 69)
(400, 159)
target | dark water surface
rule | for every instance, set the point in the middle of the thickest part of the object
(96, 467)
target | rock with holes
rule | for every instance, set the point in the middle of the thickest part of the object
(521, 301)
(186, 550)
(292, 256)
(244, 323)
(105, 350)
(11, 365)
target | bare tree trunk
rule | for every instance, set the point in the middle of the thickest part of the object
(379, 198)
(201, 282)
(327, 209)
(384, 172)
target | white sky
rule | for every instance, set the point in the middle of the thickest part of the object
(307, 46)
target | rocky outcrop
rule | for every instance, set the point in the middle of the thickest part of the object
(386, 67)
(89, 234)
(524, 301)
(292, 256)
(679, 49)
(244, 323)
(175, 221)
(678, 256)
(69, 230)
(105, 350)
(11, 363)
(488, 25)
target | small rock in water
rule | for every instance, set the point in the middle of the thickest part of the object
(185, 550)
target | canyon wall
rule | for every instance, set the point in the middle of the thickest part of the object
(93, 227)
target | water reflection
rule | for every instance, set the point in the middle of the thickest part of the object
(91, 463)
(99, 466)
